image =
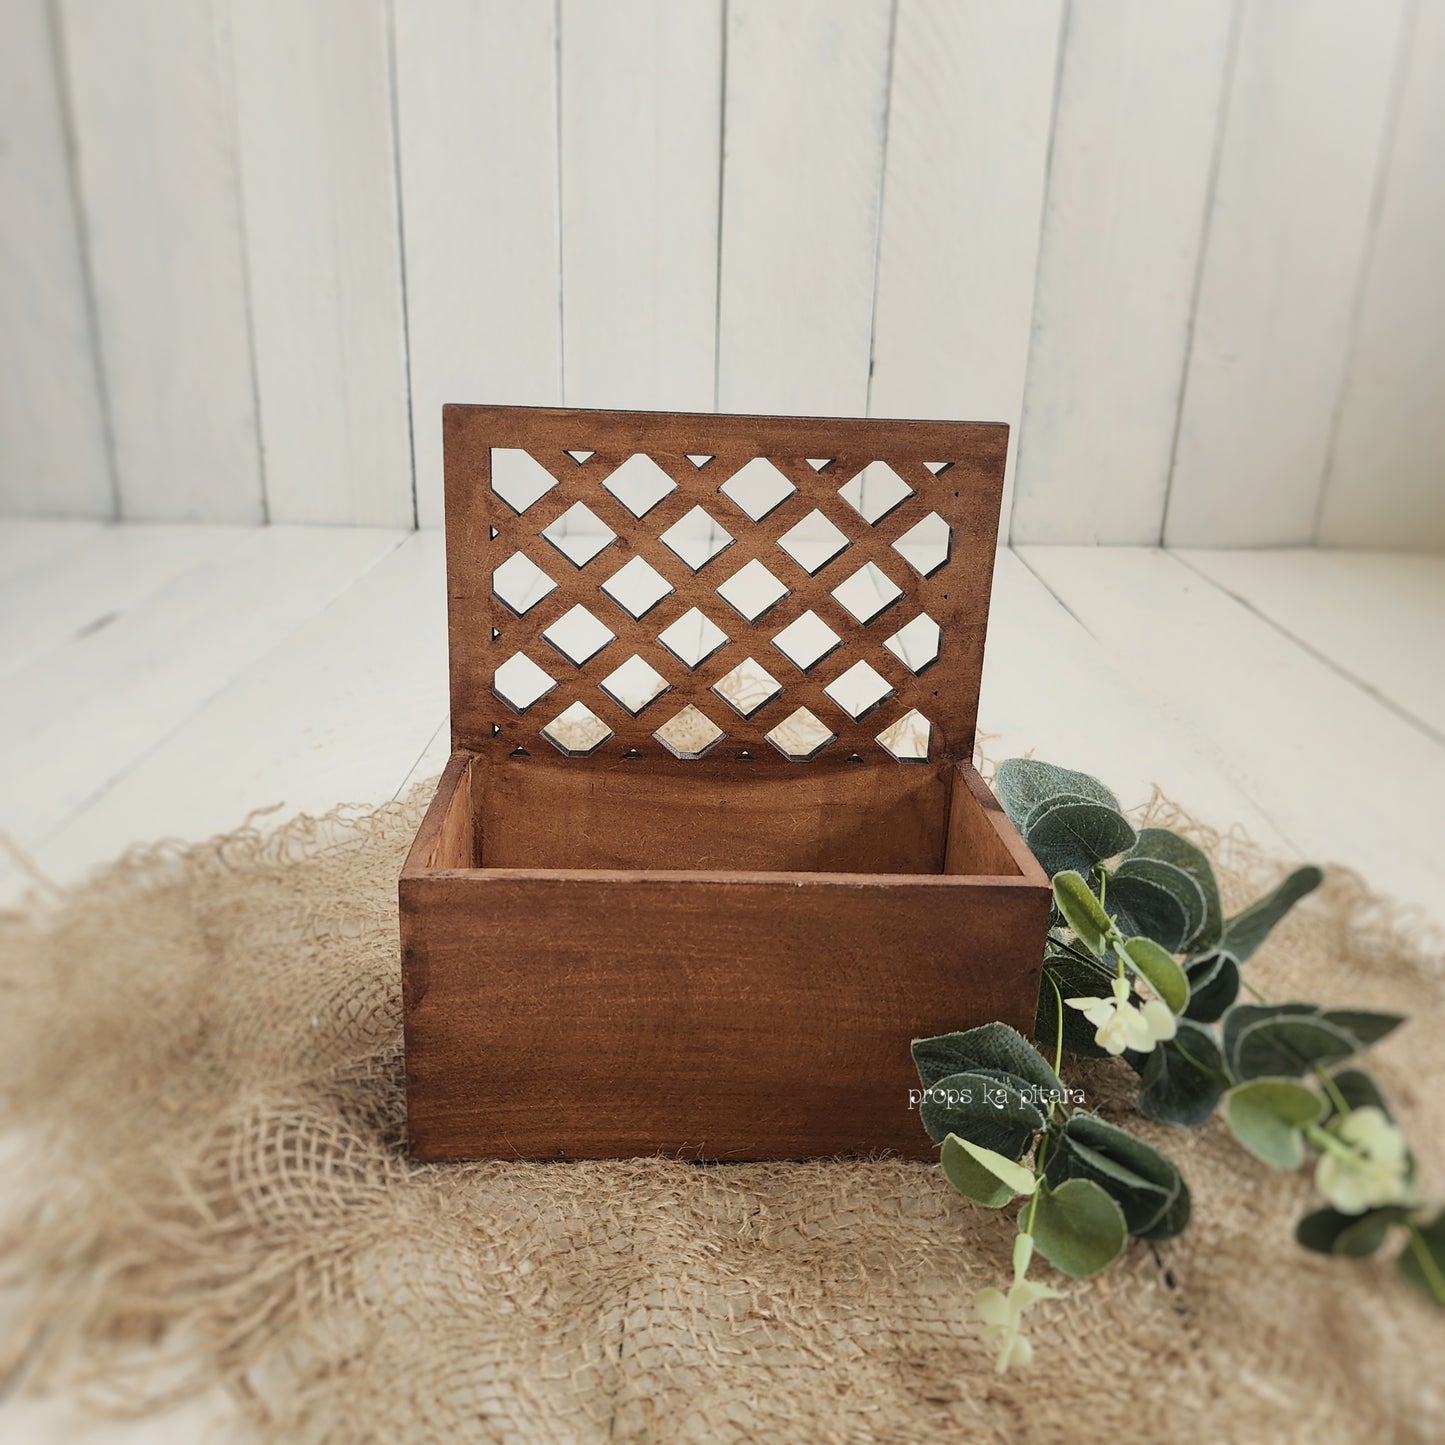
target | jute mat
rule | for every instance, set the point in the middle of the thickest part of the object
(200, 1060)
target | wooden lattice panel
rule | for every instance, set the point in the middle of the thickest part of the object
(717, 589)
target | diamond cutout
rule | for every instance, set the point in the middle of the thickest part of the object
(818, 463)
(639, 484)
(697, 538)
(637, 587)
(917, 644)
(580, 457)
(752, 590)
(806, 642)
(907, 740)
(520, 584)
(800, 736)
(689, 734)
(578, 635)
(757, 488)
(634, 685)
(519, 682)
(867, 592)
(859, 690)
(578, 732)
(747, 687)
(518, 478)
(813, 542)
(925, 545)
(698, 459)
(693, 638)
(875, 491)
(579, 534)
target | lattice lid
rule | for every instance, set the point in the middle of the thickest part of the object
(718, 589)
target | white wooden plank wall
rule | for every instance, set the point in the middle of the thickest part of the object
(805, 113)
(249, 247)
(313, 91)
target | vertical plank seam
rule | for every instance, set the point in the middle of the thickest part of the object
(1384, 168)
(401, 248)
(722, 152)
(60, 68)
(1066, 10)
(882, 194)
(1206, 226)
(561, 250)
(222, 37)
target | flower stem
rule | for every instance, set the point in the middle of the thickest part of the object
(1427, 1264)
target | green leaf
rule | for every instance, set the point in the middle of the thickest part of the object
(1429, 1239)
(1023, 783)
(1365, 1025)
(1082, 911)
(1359, 1091)
(993, 1046)
(1244, 933)
(1142, 907)
(1327, 1231)
(1213, 985)
(1016, 1177)
(1288, 1045)
(1077, 1227)
(1267, 1116)
(1170, 847)
(1076, 833)
(1175, 1089)
(1159, 971)
(1165, 903)
(1075, 979)
(970, 1177)
(1145, 1183)
(982, 1109)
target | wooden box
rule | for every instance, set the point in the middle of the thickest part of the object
(710, 849)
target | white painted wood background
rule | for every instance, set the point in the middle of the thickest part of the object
(1191, 251)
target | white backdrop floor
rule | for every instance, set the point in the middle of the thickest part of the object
(163, 681)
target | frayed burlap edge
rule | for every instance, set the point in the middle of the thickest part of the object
(200, 1063)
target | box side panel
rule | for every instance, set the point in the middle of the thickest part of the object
(718, 1019)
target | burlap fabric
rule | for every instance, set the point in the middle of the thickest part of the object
(200, 1054)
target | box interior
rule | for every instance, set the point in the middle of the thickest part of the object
(629, 814)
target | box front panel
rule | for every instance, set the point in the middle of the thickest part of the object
(616, 1015)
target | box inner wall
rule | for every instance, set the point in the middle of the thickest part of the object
(634, 814)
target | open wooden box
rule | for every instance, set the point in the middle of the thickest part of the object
(710, 850)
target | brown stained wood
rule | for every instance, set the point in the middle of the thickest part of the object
(966, 495)
(625, 814)
(632, 952)
(727, 1018)
(980, 837)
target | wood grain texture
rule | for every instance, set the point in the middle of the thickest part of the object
(199, 612)
(1386, 484)
(1285, 248)
(970, 106)
(590, 1014)
(641, 112)
(955, 596)
(477, 129)
(54, 457)
(1281, 724)
(155, 133)
(312, 721)
(1372, 615)
(321, 226)
(804, 128)
(1129, 172)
